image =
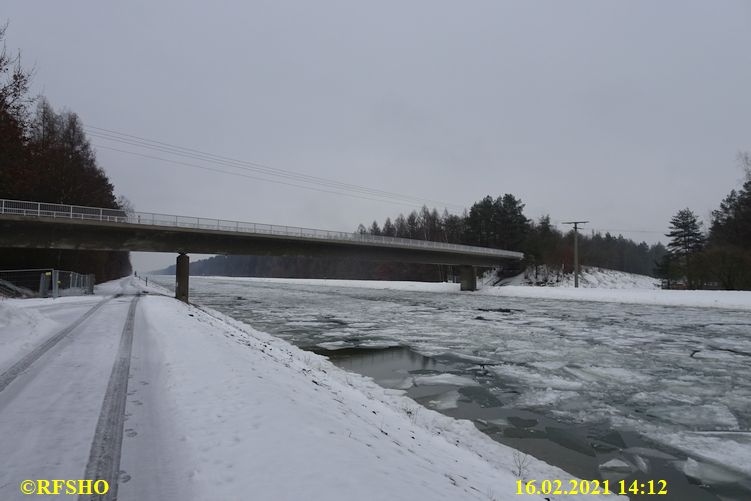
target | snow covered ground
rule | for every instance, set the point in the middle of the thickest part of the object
(364, 284)
(620, 293)
(735, 300)
(218, 410)
(589, 277)
(610, 286)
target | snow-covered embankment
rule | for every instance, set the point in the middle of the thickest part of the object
(252, 413)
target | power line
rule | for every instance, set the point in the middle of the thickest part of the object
(231, 165)
(140, 142)
(203, 158)
(616, 230)
(238, 174)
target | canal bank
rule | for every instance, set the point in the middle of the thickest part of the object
(460, 389)
(600, 411)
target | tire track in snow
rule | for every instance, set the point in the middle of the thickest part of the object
(104, 458)
(19, 367)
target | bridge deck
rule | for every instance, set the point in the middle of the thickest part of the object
(43, 225)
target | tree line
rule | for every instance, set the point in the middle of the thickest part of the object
(500, 223)
(719, 258)
(46, 157)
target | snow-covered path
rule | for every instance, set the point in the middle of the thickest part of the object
(216, 410)
(48, 413)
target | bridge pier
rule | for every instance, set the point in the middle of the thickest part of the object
(468, 278)
(182, 273)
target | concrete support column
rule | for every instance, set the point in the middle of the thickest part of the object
(55, 283)
(468, 278)
(181, 277)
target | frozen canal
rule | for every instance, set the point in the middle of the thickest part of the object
(651, 392)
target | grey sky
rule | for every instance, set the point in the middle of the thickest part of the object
(617, 112)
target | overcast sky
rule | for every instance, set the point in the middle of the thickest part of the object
(620, 113)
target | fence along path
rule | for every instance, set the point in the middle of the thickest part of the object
(44, 282)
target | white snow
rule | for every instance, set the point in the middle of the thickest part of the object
(616, 464)
(589, 277)
(448, 379)
(739, 300)
(21, 329)
(218, 410)
(366, 284)
(605, 286)
(16, 316)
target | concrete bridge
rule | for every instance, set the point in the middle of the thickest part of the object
(25, 224)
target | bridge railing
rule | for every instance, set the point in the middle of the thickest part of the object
(78, 212)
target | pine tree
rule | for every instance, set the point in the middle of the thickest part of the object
(665, 269)
(686, 242)
(389, 229)
(480, 223)
(729, 251)
(453, 227)
(731, 223)
(685, 235)
(511, 225)
(413, 225)
(402, 231)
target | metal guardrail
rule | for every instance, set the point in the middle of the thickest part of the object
(78, 212)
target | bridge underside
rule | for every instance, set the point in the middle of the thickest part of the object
(43, 233)
(46, 233)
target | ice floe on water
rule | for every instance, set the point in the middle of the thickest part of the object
(730, 450)
(713, 417)
(617, 465)
(448, 379)
(533, 378)
(448, 400)
(545, 398)
(335, 345)
(709, 473)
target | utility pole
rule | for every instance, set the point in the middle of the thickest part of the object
(576, 249)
